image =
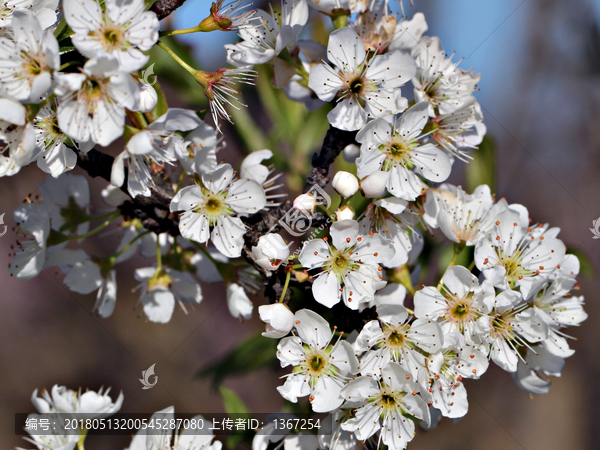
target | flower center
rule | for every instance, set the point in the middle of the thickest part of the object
(214, 206)
(398, 151)
(317, 363)
(340, 262)
(356, 86)
(91, 91)
(514, 269)
(33, 65)
(461, 311)
(395, 338)
(501, 327)
(111, 37)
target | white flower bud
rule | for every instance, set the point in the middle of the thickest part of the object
(345, 184)
(271, 251)
(148, 98)
(373, 186)
(305, 203)
(344, 213)
(351, 152)
(279, 320)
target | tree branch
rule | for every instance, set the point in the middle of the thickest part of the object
(153, 211)
(163, 8)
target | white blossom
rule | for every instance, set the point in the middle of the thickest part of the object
(393, 146)
(389, 406)
(91, 404)
(274, 32)
(345, 184)
(350, 265)
(28, 60)
(212, 207)
(92, 103)
(124, 29)
(355, 78)
(320, 368)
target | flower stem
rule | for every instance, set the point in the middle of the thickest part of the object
(128, 246)
(285, 286)
(113, 216)
(158, 254)
(174, 55)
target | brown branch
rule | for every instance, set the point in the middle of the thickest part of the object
(153, 211)
(163, 8)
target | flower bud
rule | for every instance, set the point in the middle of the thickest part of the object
(279, 320)
(148, 98)
(351, 152)
(271, 251)
(373, 186)
(345, 213)
(305, 203)
(345, 184)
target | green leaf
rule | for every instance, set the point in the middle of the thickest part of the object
(251, 354)
(482, 170)
(248, 130)
(234, 405)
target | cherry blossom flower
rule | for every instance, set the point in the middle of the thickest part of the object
(390, 405)
(200, 438)
(17, 138)
(43, 10)
(511, 255)
(279, 320)
(393, 146)
(463, 218)
(393, 338)
(350, 266)
(158, 144)
(510, 328)
(460, 304)
(123, 30)
(271, 252)
(358, 80)
(91, 404)
(441, 377)
(92, 103)
(385, 217)
(160, 288)
(212, 207)
(320, 369)
(446, 96)
(533, 375)
(276, 31)
(28, 60)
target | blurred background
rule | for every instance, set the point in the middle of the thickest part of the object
(540, 91)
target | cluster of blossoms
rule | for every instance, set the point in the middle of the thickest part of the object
(73, 84)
